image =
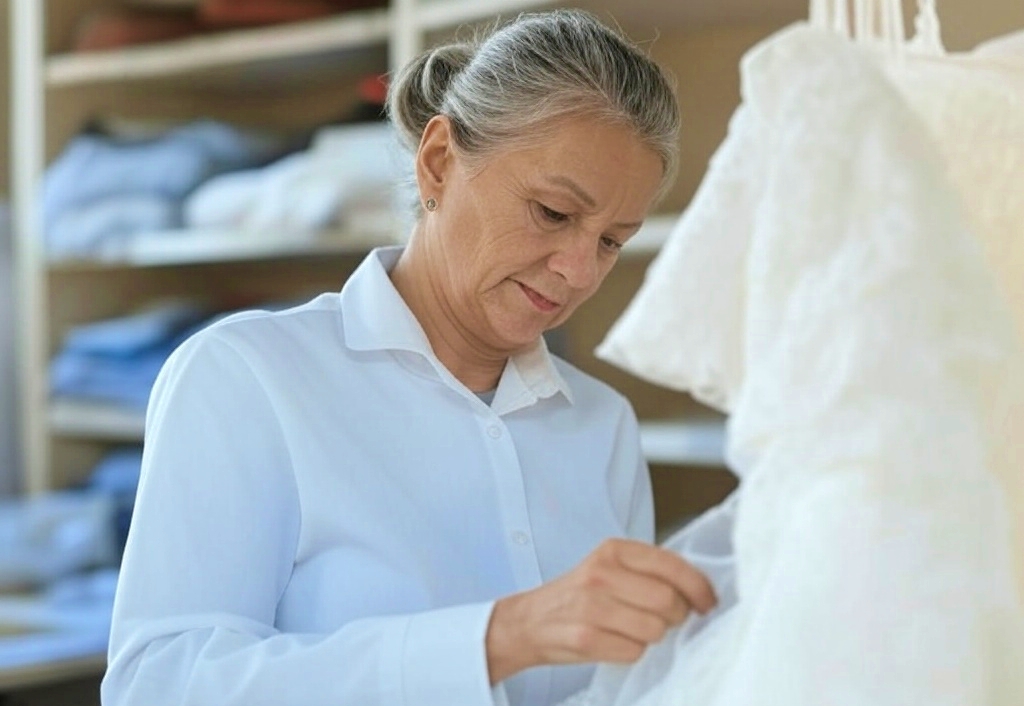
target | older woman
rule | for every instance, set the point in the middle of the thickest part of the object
(395, 494)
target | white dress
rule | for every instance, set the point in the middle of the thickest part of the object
(832, 287)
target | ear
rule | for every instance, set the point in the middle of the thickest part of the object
(435, 157)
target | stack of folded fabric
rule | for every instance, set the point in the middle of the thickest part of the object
(349, 178)
(105, 189)
(116, 476)
(147, 21)
(117, 360)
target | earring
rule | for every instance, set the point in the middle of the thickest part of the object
(430, 204)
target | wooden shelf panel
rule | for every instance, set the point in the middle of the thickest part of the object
(443, 14)
(684, 442)
(212, 246)
(216, 246)
(651, 236)
(351, 31)
(96, 420)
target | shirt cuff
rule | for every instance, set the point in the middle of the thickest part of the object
(444, 658)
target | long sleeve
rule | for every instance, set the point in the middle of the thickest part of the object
(210, 554)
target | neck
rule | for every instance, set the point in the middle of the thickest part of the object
(473, 363)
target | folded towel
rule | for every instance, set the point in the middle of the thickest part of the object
(103, 227)
(307, 191)
(94, 167)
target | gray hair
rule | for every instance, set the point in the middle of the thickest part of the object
(508, 88)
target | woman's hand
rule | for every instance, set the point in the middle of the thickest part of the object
(624, 596)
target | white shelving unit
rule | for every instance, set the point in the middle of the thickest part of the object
(59, 441)
(684, 442)
(351, 31)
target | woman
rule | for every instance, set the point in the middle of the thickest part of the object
(395, 494)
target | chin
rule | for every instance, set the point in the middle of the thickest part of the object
(519, 337)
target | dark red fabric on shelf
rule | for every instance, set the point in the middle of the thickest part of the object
(112, 29)
(123, 27)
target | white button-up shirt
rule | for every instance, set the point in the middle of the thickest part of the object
(326, 515)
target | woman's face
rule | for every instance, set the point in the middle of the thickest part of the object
(522, 240)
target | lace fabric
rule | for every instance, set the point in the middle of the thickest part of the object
(834, 287)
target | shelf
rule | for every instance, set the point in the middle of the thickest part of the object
(667, 15)
(189, 247)
(351, 31)
(96, 420)
(441, 14)
(44, 672)
(684, 442)
(672, 442)
(652, 235)
(46, 643)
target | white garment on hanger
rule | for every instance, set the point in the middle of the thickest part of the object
(827, 288)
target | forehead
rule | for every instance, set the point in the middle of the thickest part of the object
(595, 154)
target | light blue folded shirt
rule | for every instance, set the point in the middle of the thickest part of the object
(94, 167)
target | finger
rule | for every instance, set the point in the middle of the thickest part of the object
(609, 615)
(593, 644)
(669, 567)
(647, 593)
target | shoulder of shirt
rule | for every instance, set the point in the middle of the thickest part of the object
(586, 388)
(250, 331)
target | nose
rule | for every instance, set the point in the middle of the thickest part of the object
(575, 259)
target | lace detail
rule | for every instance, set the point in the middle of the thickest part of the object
(876, 390)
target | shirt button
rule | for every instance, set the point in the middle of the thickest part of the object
(494, 431)
(520, 537)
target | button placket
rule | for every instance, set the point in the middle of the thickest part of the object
(512, 498)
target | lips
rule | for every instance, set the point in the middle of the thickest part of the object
(538, 299)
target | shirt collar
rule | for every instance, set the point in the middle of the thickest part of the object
(377, 318)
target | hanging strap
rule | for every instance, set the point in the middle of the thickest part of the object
(927, 31)
(880, 22)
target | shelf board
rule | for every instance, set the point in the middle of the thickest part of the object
(190, 247)
(96, 420)
(684, 442)
(667, 15)
(652, 235)
(441, 14)
(350, 31)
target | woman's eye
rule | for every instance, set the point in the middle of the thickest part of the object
(552, 215)
(611, 244)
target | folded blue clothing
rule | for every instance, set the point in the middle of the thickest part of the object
(120, 378)
(118, 360)
(107, 225)
(126, 381)
(95, 167)
(117, 472)
(136, 333)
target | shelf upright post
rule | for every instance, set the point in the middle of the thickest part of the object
(406, 40)
(27, 156)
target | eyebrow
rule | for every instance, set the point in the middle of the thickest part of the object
(586, 198)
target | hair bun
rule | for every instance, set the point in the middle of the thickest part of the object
(418, 92)
(442, 66)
